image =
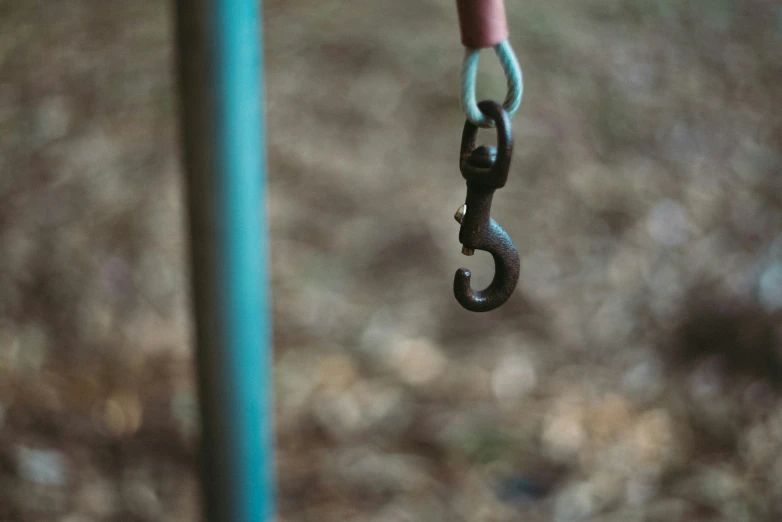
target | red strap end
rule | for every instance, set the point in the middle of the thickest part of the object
(482, 22)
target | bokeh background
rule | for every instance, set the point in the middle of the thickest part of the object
(633, 376)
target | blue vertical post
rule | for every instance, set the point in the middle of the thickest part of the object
(220, 68)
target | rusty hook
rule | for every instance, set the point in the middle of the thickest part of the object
(486, 169)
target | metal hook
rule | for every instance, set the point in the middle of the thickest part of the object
(485, 169)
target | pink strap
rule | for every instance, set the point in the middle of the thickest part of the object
(482, 22)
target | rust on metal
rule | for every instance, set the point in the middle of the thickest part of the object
(485, 169)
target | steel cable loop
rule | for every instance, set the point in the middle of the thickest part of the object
(511, 68)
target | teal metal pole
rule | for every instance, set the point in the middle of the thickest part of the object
(220, 77)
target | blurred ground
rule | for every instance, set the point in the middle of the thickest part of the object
(632, 377)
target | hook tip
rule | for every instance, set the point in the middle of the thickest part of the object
(461, 286)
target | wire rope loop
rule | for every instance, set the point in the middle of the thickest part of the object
(512, 70)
